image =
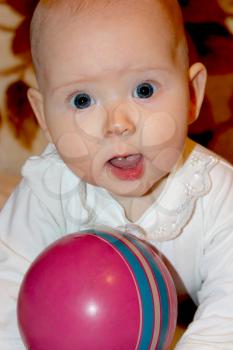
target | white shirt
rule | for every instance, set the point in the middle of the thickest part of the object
(191, 224)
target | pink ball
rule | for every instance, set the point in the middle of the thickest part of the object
(97, 290)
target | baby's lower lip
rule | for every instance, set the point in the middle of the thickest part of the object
(128, 174)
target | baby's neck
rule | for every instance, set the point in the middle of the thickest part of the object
(135, 207)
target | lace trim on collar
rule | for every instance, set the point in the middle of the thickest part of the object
(172, 212)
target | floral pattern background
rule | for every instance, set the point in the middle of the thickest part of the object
(209, 25)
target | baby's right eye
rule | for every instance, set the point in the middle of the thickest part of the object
(82, 101)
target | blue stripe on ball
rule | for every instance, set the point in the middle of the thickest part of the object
(162, 289)
(143, 286)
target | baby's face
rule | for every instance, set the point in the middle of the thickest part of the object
(116, 99)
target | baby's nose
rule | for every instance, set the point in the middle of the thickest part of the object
(121, 121)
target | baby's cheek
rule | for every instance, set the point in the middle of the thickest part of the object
(71, 147)
(89, 124)
(158, 128)
(74, 152)
(166, 159)
(162, 137)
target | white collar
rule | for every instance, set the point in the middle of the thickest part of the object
(166, 217)
(190, 180)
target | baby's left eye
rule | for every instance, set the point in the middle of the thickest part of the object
(144, 90)
(82, 101)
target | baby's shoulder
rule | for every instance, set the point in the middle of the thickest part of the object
(222, 171)
(48, 176)
(218, 172)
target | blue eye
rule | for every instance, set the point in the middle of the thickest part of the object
(82, 101)
(144, 90)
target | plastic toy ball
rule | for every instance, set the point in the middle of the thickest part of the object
(97, 290)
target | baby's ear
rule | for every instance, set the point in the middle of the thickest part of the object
(197, 78)
(36, 100)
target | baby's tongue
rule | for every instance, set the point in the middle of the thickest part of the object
(129, 162)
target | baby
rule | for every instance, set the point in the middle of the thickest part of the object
(115, 97)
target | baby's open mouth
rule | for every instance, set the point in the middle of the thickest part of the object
(128, 162)
(129, 167)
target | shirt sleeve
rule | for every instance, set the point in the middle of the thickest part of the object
(212, 327)
(26, 227)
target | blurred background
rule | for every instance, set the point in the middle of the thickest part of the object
(209, 25)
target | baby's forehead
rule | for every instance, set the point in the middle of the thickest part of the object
(51, 11)
(74, 7)
(57, 14)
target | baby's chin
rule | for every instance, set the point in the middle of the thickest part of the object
(128, 189)
(142, 181)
